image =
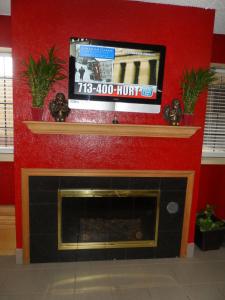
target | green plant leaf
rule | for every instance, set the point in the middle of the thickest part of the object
(193, 83)
(41, 74)
(207, 221)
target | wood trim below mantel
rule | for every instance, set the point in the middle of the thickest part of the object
(7, 230)
(111, 129)
(101, 173)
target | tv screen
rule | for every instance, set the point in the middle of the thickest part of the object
(115, 76)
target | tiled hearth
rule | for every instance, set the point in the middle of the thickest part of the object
(41, 214)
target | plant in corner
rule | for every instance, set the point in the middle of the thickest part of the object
(209, 230)
(41, 74)
(193, 83)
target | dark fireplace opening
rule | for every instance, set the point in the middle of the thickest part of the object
(140, 217)
(90, 219)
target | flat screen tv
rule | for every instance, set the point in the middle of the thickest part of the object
(115, 76)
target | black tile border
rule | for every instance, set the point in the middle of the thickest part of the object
(42, 194)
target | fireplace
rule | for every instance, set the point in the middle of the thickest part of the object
(76, 215)
(106, 218)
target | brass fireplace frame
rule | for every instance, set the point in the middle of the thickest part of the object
(75, 193)
(27, 172)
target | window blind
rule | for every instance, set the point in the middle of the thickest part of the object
(214, 132)
(6, 103)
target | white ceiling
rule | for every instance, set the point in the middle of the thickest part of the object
(218, 5)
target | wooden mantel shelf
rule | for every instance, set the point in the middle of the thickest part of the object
(111, 129)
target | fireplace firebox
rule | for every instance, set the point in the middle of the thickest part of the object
(100, 219)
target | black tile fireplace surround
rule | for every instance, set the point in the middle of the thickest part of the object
(43, 212)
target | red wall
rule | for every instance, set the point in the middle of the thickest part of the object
(37, 25)
(6, 168)
(5, 31)
(6, 183)
(218, 49)
(212, 179)
(211, 191)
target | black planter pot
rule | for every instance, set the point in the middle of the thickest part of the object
(209, 240)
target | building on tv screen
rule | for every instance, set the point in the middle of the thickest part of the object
(116, 71)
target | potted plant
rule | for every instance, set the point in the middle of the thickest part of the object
(193, 83)
(209, 230)
(40, 75)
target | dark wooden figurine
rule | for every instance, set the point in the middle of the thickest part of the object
(59, 108)
(173, 113)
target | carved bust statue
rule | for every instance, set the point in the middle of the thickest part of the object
(173, 113)
(59, 108)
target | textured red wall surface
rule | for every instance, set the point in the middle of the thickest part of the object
(6, 183)
(212, 182)
(37, 25)
(5, 31)
(218, 49)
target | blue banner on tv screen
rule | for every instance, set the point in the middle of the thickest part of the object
(97, 52)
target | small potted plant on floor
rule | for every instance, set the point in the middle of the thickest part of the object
(193, 83)
(40, 75)
(209, 230)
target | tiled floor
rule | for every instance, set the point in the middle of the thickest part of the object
(199, 278)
